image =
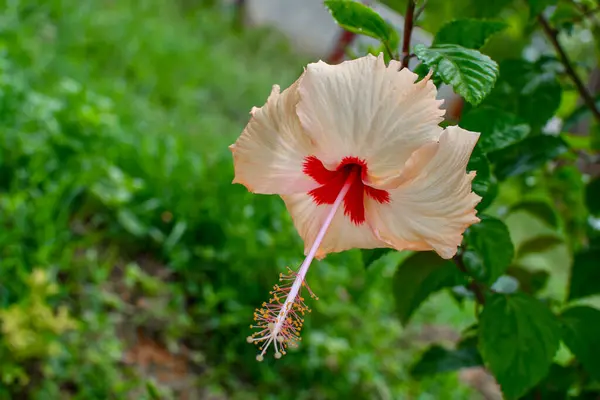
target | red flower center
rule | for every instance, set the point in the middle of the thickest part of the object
(332, 182)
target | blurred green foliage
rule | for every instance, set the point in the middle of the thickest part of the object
(124, 244)
(118, 216)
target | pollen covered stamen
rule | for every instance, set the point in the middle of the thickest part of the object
(278, 325)
(280, 321)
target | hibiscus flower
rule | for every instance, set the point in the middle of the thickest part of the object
(367, 136)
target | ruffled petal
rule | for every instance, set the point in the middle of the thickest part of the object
(342, 234)
(269, 155)
(364, 109)
(432, 203)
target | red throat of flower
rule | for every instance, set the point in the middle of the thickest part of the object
(332, 182)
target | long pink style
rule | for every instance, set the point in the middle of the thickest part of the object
(280, 323)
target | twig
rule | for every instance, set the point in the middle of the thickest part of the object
(586, 14)
(408, 27)
(389, 50)
(345, 39)
(420, 10)
(553, 36)
(475, 287)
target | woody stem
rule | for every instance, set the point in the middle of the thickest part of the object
(311, 254)
(409, 17)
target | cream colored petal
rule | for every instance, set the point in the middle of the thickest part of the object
(268, 156)
(433, 203)
(364, 109)
(342, 233)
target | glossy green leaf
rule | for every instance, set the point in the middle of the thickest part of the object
(438, 359)
(530, 281)
(581, 333)
(369, 256)
(539, 209)
(471, 73)
(518, 338)
(527, 155)
(539, 244)
(537, 6)
(485, 183)
(527, 90)
(489, 249)
(469, 33)
(592, 196)
(585, 274)
(417, 277)
(358, 18)
(498, 128)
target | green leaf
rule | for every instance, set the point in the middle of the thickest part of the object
(581, 333)
(152, 391)
(505, 284)
(438, 359)
(488, 8)
(489, 249)
(530, 281)
(564, 16)
(527, 155)
(518, 338)
(538, 244)
(485, 183)
(527, 90)
(555, 385)
(577, 142)
(539, 209)
(537, 6)
(131, 223)
(417, 277)
(369, 256)
(592, 196)
(498, 128)
(581, 113)
(470, 73)
(469, 33)
(175, 235)
(585, 274)
(360, 19)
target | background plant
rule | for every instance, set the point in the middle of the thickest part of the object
(130, 266)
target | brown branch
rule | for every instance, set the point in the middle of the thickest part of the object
(345, 39)
(474, 286)
(553, 36)
(408, 27)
